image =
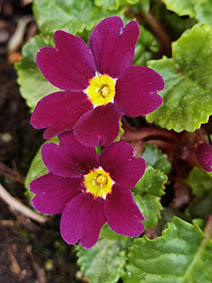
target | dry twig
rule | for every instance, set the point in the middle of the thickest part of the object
(14, 204)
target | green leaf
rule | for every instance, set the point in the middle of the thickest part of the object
(33, 85)
(156, 158)
(70, 15)
(37, 169)
(181, 7)
(121, 132)
(187, 97)
(150, 207)
(146, 47)
(108, 233)
(200, 181)
(105, 261)
(152, 182)
(203, 11)
(200, 207)
(113, 4)
(182, 254)
(147, 195)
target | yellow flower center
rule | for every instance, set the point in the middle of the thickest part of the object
(101, 89)
(98, 182)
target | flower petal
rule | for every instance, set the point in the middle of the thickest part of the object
(59, 111)
(123, 167)
(69, 65)
(136, 90)
(204, 156)
(53, 192)
(82, 219)
(70, 158)
(99, 126)
(113, 45)
(122, 213)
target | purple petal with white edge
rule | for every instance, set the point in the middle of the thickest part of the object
(113, 45)
(122, 213)
(70, 158)
(204, 156)
(53, 192)
(82, 219)
(123, 167)
(69, 65)
(59, 111)
(99, 126)
(136, 91)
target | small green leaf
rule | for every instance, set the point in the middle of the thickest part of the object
(37, 169)
(147, 195)
(182, 254)
(156, 158)
(187, 97)
(200, 181)
(150, 207)
(200, 207)
(152, 182)
(108, 233)
(121, 132)
(181, 7)
(105, 261)
(70, 15)
(146, 47)
(33, 85)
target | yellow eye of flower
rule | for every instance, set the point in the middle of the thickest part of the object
(98, 182)
(101, 90)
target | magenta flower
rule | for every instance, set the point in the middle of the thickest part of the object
(204, 156)
(89, 190)
(98, 82)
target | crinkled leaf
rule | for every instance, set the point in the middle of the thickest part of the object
(147, 195)
(203, 11)
(71, 16)
(181, 7)
(156, 158)
(37, 169)
(33, 85)
(152, 182)
(150, 207)
(105, 261)
(182, 254)
(107, 233)
(187, 97)
(146, 47)
(113, 4)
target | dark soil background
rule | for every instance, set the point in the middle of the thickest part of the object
(29, 252)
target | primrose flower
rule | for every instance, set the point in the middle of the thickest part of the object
(204, 156)
(89, 190)
(98, 84)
